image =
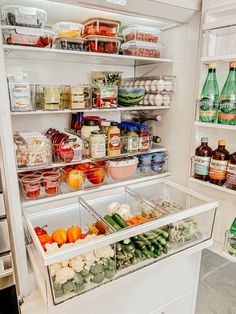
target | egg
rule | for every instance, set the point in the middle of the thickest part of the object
(158, 100)
(147, 86)
(141, 102)
(146, 100)
(136, 84)
(166, 100)
(141, 83)
(154, 85)
(151, 99)
(168, 86)
(160, 85)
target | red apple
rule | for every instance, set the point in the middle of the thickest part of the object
(96, 174)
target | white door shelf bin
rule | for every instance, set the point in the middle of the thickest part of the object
(189, 225)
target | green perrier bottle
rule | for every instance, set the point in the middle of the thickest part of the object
(227, 106)
(208, 105)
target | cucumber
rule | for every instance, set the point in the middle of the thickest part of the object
(119, 220)
(138, 254)
(161, 240)
(162, 233)
(144, 239)
(112, 222)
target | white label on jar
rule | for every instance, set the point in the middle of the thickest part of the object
(133, 143)
(232, 168)
(98, 147)
(201, 165)
(219, 164)
(20, 96)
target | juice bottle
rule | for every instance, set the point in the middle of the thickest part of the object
(227, 107)
(231, 172)
(218, 164)
(114, 140)
(208, 105)
(202, 160)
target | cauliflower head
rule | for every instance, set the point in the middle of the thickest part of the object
(64, 274)
(77, 264)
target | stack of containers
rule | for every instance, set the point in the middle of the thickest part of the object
(152, 163)
(68, 36)
(25, 27)
(141, 41)
(101, 35)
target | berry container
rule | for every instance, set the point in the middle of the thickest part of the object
(142, 49)
(141, 33)
(101, 27)
(68, 29)
(102, 44)
(69, 43)
(16, 15)
(24, 36)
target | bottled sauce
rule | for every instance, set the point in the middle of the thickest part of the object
(132, 140)
(73, 121)
(202, 160)
(208, 105)
(114, 140)
(143, 138)
(79, 122)
(86, 130)
(218, 164)
(231, 172)
(97, 144)
(227, 107)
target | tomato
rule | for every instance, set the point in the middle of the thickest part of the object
(92, 46)
(110, 47)
(100, 48)
(84, 166)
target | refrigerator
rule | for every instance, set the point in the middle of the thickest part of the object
(194, 33)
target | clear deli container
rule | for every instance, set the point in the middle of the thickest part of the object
(101, 27)
(79, 97)
(24, 36)
(142, 49)
(49, 97)
(69, 43)
(68, 29)
(141, 33)
(17, 15)
(102, 44)
(104, 96)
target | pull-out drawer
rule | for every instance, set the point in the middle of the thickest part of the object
(2, 206)
(4, 237)
(182, 224)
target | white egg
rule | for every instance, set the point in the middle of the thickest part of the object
(154, 85)
(151, 99)
(141, 83)
(148, 86)
(158, 100)
(168, 86)
(160, 85)
(131, 84)
(166, 100)
(136, 84)
(146, 100)
(141, 102)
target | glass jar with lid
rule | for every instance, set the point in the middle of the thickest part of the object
(97, 142)
(86, 131)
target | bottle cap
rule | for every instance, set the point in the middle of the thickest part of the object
(221, 142)
(90, 122)
(204, 139)
(232, 64)
(212, 66)
(142, 127)
(113, 123)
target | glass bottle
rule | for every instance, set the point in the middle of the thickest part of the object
(73, 121)
(208, 104)
(202, 160)
(227, 107)
(114, 140)
(231, 172)
(79, 122)
(218, 164)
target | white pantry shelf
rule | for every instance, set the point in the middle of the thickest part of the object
(216, 126)
(213, 186)
(218, 59)
(66, 194)
(58, 55)
(66, 111)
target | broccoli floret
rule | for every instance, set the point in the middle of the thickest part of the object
(78, 279)
(68, 287)
(79, 288)
(111, 264)
(98, 278)
(96, 269)
(57, 285)
(84, 273)
(58, 293)
(105, 262)
(88, 278)
(110, 273)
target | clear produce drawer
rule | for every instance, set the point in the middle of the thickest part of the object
(122, 231)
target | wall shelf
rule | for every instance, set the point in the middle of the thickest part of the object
(218, 59)
(213, 186)
(216, 126)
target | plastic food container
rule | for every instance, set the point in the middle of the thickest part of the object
(68, 29)
(102, 27)
(69, 43)
(31, 186)
(51, 182)
(102, 44)
(23, 36)
(142, 49)
(122, 169)
(49, 97)
(142, 33)
(130, 96)
(24, 16)
(104, 96)
(79, 97)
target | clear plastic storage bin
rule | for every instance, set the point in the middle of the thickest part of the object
(49, 97)
(17, 15)
(142, 33)
(68, 30)
(102, 44)
(79, 97)
(104, 96)
(23, 36)
(101, 27)
(142, 49)
(67, 271)
(69, 43)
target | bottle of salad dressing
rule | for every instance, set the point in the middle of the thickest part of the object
(114, 140)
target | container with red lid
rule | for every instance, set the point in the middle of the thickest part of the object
(102, 44)
(102, 27)
(31, 186)
(51, 182)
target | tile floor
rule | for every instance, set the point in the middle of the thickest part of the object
(217, 285)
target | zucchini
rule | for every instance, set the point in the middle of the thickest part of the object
(119, 220)
(142, 238)
(138, 254)
(112, 222)
(165, 249)
(161, 240)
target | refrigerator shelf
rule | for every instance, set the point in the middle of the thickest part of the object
(57, 55)
(216, 126)
(221, 58)
(63, 164)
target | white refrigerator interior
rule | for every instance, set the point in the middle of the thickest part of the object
(169, 284)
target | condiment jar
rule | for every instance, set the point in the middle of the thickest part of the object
(114, 140)
(143, 138)
(97, 144)
(86, 130)
(132, 140)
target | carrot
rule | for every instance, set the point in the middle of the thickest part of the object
(134, 221)
(129, 223)
(139, 217)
